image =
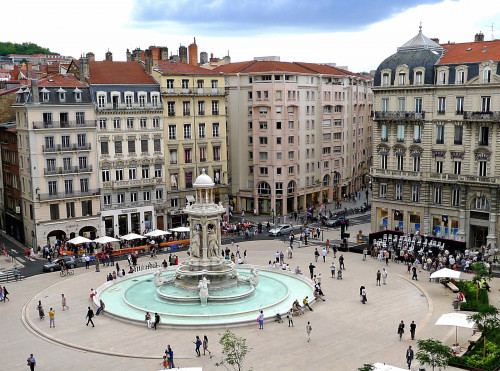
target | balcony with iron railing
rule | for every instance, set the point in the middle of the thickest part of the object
(482, 116)
(66, 195)
(132, 183)
(130, 106)
(205, 91)
(64, 124)
(71, 148)
(67, 170)
(398, 116)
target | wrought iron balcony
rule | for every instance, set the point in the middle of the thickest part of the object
(192, 91)
(483, 116)
(64, 124)
(399, 116)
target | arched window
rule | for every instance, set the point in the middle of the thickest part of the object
(480, 203)
(486, 75)
(418, 78)
(264, 188)
(291, 187)
(326, 180)
(336, 178)
(385, 79)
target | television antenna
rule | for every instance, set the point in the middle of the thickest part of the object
(492, 28)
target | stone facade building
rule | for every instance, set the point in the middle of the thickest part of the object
(436, 169)
(195, 132)
(299, 133)
(56, 131)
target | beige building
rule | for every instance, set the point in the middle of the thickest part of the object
(300, 133)
(194, 132)
(436, 169)
(56, 129)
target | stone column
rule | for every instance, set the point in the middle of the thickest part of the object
(492, 231)
(204, 249)
(462, 225)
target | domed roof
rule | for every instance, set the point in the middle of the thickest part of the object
(203, 180)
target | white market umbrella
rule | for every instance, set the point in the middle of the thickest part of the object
(156, 233)
(446, 273)
(131, 236)
(79, 240)
(106, 239)
(455, 319)
(180, 229)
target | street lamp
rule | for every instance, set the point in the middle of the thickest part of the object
(272, 213)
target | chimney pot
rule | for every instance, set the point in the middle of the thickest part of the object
(479, 37)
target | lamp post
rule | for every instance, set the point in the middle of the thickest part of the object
(272, 213)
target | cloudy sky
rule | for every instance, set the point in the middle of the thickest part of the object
(356, 33)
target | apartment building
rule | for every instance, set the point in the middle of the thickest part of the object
(56, 130)
(299, 134)
(436, 169)
(195, 132)
(130, 146)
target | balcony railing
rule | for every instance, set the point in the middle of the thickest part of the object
(65, 195)
(64, 125)
(132, 183)
(479, 115)
(399, 115)
(131, 106)
(67, 170)
(70, 148)
(193, 91)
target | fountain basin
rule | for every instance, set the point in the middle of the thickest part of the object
(130, 298)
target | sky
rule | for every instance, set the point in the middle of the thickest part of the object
(358, 34)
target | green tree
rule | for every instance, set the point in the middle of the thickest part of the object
(234, 350)
(367, 367)
(24, 48)
(487, 322)
(433, 353)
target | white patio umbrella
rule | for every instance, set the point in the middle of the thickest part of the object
(455, 319)
(106, 239)
(79, 240)
(156, 233)
(445, 273)
(180, 229)
(132, 236)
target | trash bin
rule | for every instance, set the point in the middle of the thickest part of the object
(421, 368)
(455, 304)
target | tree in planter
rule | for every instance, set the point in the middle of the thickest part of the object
(367, 367)
(487, 322)
(433, 353)
(234, 350)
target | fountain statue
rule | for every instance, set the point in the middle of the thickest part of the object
(203, 286)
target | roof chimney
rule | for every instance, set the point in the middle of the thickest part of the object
(129, 55)
(83, 65)
(109, 56)
(91, 56)
(34, 91)
(435, 39)
(148, 61)
(479, 37)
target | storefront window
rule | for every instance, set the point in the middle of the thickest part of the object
(135, 219)
(148, 217)
(108, 226)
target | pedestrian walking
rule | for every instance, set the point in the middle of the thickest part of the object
(41, 313)
(319, 279)
(362, 292)
(323, 254)
(341, 262)
(90, 315)
(401, 329)
(384, 276)
(414, 270)
(63, 302)
(157, 320)
(379, 275)
(308, 331)
(311, 269)
(409, 356)
(31, 362)
(332, 269)
(413, 327)
(197, 342)
(205, 345)
(164, 363)
(289, 317)
(52, 318)
(170, 354)
(316, 254)
(5, 293)
(260, 319)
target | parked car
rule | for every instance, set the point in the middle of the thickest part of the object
(334, 223)
(281, 230)
(56, 264)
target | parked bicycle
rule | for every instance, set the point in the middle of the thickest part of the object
(68, 272)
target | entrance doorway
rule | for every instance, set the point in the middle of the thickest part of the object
(122, 224)
(478, 235)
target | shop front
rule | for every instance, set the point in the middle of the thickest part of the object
(446, 226)
(397, 220)
(414, 221)
(131, 220)
(382, 215)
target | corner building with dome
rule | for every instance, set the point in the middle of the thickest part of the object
(436, 167)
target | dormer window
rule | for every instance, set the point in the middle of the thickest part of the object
(78, 95)
(154, 100)
(385, 79)
(402, 78)
(418, 78)
(460, 77)
(142, 101)
(45, 95)
(486, 75)
(442, 77)
(62, 94)
(128, 101)
(101, 101)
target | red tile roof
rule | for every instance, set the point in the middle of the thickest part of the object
(323, 69)
(179, 68)
(66, 81)
(479, 51)
(118, 73)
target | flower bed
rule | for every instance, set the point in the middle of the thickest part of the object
(474, 360)
(469, 289)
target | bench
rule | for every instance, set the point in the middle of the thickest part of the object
(474, 338)
(452, 287)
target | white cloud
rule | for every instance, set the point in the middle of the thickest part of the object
(74, 27)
